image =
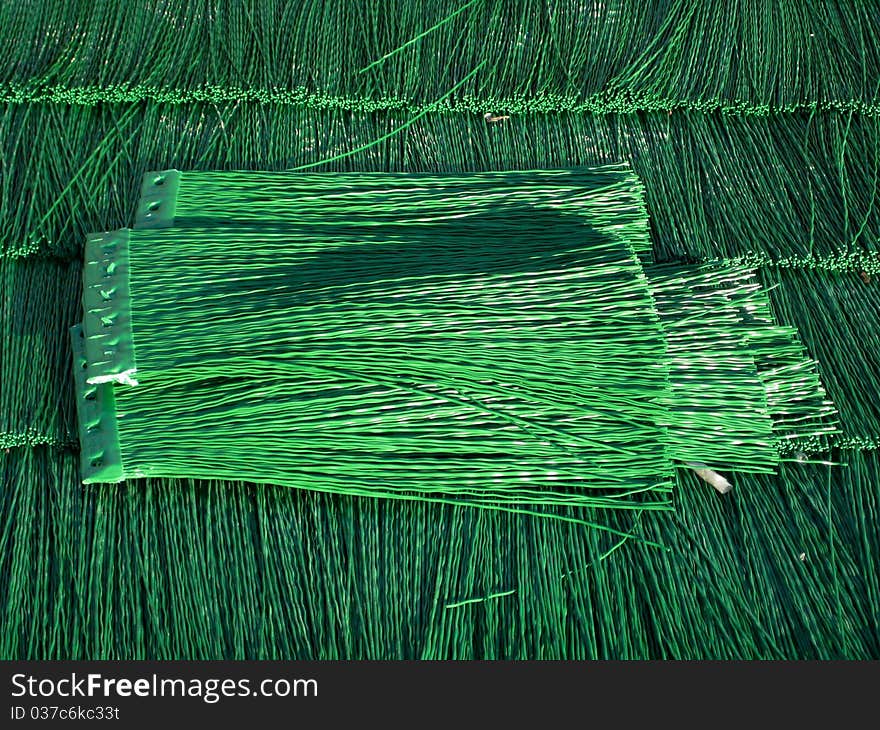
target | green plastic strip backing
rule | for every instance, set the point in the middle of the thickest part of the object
(100, 457)
(158, 201)
(109, 346)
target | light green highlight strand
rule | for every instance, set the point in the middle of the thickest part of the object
(418, 37)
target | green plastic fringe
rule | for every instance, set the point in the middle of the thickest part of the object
(492, 338)
(107, 181)
(746, 57)
(36, 398)
(797, 190)
(436, 344)
(836, 315)
(784, 566)
(740, 385)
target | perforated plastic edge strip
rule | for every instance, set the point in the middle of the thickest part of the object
(158, 201)
(109, 345)
(100, 457)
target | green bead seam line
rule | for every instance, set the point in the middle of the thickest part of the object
(100, 457)
(609, 101)
(853, 261)
(109, 345)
